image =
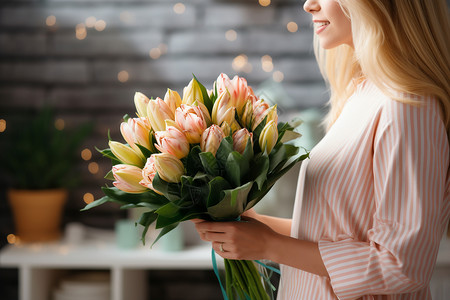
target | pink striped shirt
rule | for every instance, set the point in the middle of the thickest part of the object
(375, 196)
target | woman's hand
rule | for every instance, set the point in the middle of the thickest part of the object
(246, 239)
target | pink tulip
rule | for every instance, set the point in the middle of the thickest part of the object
(148, 173)
(169, 167)
(240, 139)
(259, 113)
(158, 111)
(237, 88)
(172, 141)
(191, 121)
(223, 109)
(127, 178)
(211, 139)
(137, 132)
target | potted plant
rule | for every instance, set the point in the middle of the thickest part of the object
(39, 158)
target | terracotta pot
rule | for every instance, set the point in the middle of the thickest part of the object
(37, 213)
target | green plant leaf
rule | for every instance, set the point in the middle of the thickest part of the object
(236, 167)
(280, 154)
(193, 162)
(165, 231)
(260, 169)
(170, 190)
(216, 188)
(225, 148)
(232, 205)
(146, 220)
(206, 100)
(98, 202)
(209, 163)
(147, 153)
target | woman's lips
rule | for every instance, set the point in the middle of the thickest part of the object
(320, 26)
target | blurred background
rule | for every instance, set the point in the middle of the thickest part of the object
(86, 58)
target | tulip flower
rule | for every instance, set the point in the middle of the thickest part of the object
(259, 113)
(191, 121)
(127, 178)
(238, 89)
(141, 101)
(148, 173)
(226, 128)
(240, 139)
(172, 141)
(192, 93)
(205, 112)
(158, 111)
(211, 139)
(172, 99)
(268, 137)
(136, 132)
(223, 109)
(169, 167)
(247, 113)
(126, 154)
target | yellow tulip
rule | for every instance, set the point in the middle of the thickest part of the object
(126, 154)
(172, 99)
(192, 93)
(268, 137)
(223, 109)
(141, 102)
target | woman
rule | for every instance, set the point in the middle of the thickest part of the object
(373, 199)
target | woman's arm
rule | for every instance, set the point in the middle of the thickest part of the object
(280, 225)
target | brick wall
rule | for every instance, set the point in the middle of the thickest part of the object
(44, 59)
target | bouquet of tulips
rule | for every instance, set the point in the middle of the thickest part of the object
(210, 155)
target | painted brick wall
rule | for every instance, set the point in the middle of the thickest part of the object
(44, 60)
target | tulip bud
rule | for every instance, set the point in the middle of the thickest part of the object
(141, 101)
(211, 139)
(126, 154)
(223, 109)
(192, 93)
(169, 167)
(127, 178)
(191, 122)
(148, 173)
(247, 113)
(268, 137)
(205, 112)
(172, 99)
(240, 139)
(225, 128)
(172, 141)
(271, 114)
(136, 131)
(158, 111)
(259, 113)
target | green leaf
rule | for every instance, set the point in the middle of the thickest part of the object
(236, 167)
(260, 169)
(147, 153)
(257, 133)
(248, 152)
(206, 100)
(232, 205)
(225, 148)
(216, 188)
(193, 162)
(209, 163)
(170, 190)
(97, 203)
(146, 220)
(109, 175)
(280, 154)
(165, 231)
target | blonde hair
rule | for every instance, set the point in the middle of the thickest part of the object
(401, 46)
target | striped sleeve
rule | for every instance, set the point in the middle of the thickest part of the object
(410, 178)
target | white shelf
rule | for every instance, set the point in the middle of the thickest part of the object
(42, 265)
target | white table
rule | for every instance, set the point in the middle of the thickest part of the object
(40, 266)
